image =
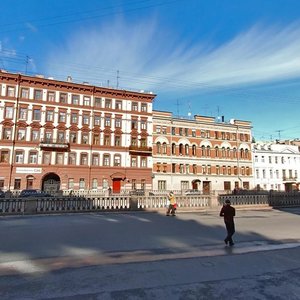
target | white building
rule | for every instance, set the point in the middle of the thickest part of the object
(276, 166)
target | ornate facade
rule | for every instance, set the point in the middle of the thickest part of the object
(201, 154)
(63, 135)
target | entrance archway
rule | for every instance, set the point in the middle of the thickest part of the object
(51, 182)
(196, 184)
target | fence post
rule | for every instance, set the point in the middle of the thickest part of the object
(133, 203)
(30, 206)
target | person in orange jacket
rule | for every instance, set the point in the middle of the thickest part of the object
(172, 204)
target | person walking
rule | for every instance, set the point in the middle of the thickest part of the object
(228, 212)
(172, 204)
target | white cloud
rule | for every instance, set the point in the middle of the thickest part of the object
(148, 57)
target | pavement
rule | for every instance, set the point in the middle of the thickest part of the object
(149, 256)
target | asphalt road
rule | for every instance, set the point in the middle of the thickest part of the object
(147, 255)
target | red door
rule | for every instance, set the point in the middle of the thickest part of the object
(116, 186)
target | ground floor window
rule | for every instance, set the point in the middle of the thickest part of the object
(71, 183)
(162, 185)
(227, 185)
(17, 184)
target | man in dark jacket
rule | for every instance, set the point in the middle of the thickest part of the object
(228, 212)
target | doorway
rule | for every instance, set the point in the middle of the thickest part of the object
(51, 183)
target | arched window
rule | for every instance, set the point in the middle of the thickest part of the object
(164, 148)
(234, 152)
(180, 149)
(203, 152)
(242, 153)
(158, 147)
(217, 151)
(194, 150)
(173, 148)
(246, 153)
(186, 149)
(208, 151)
(228, 152)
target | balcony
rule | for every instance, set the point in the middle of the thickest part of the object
(54, 145)
(140, 150)
(289, 178)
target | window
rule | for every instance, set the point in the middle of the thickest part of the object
(143, 107)
(117, 160)
(186, 131)
(24, 93)
(9, 112)
(164, 148)
(35, 135)
(134, 106)
(73, 137)
(158, 129)
(107, 121)
(107, 103)
(227, 185)
(19, 156)
(117, 140)
(104, 183)
(118, 122)
(71, 183)
(46, 158)
(162, 185)
(75, 99)
(21, 134)
(119, 105)
(96, 139)
(158, 147)
(10, 91)
(106, 160)
(144, 162)
(133, 141)
(83, 159)
(59, 158)
(186, 149)
(134, 161)
(173, 149)
(23, 113)
(173, 168)
(81, 183)
(86, 119)
(187, 169)
(36, 115)
(194, 169)
(33, 157)
(94, 183)
(95, 159)
(97, 120)
(63, 98)
(180, 131)
(51, 96)
(7, 133)
(17, 184)
(133, 184)
(173, 131)
(134, 124)
(204, 170)
(72, 158)
(74, 118)
(86, 101)
(1, 183)
(61, 136)
(193, 133)
(106, 140)
(181, 168)
(38, 95)
(4, 156)
(144, 125)
(98, 102)
(49, 116)
(217, 170)
(85, 138)
(62, 117)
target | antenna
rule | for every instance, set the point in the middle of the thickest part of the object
(279, 131)
(189, 112)
(26, 63)
(118, 77)
(177, 104)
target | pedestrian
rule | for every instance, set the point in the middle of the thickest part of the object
(228, 212)
(172, 204)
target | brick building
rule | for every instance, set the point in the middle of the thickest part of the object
(201, 153)
(58, 135)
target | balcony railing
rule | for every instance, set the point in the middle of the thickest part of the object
(289, 178)
(140, 149)
(54, 144)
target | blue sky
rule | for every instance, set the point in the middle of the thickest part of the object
(232, 58)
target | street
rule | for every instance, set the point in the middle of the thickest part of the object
(146, 255)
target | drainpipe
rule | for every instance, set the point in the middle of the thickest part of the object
(14, 131)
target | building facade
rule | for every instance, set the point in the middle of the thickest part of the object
(276, 166)
(201, 154)
(58, 135)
